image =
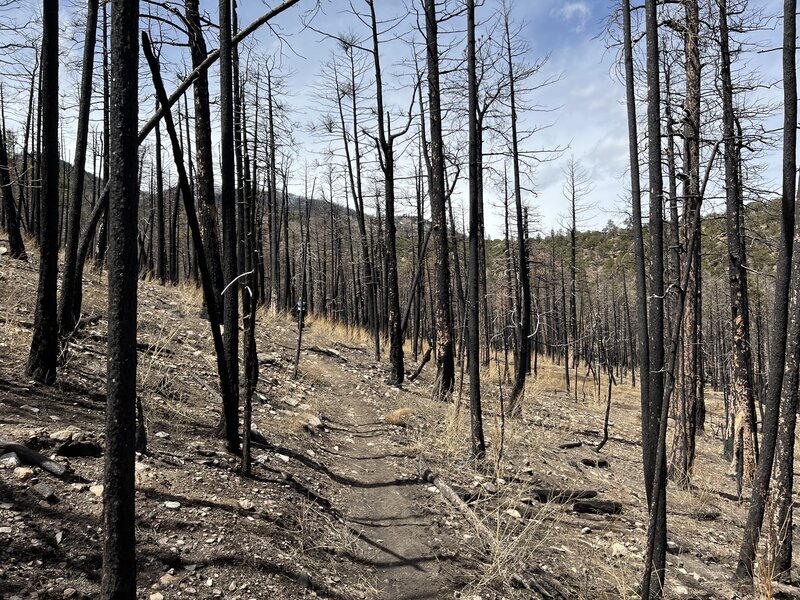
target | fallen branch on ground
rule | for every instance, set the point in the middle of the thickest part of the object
(558, 495)
(453, 498)
(33, 458)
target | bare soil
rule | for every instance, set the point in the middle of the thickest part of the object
(335, 507)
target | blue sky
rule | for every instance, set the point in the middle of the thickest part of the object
(587, 117)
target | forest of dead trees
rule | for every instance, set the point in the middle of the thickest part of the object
(173, 156)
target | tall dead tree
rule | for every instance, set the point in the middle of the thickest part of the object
(229, 238)
(688, 397)
(10, 214)
(385, 142)
(119, 518)
(523, 350)
(66, 315)
(445, 363)
(781, 383)
(475, 233)
(745, 441)
(43, 357)
(652, 415)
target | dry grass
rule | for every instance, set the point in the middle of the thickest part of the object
(399, 416)
(343, 332)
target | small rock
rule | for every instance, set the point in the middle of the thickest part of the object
(283, 457)
(157, 596)
(59, 537)
(70, 592)
(97, 490)
(162, 434)
(304, 580)
(23, 473)
(247, 505)
(313, 423)
(46, 492)
(64, 435)
(586, 530)
(29, 408)
(5, 529)
(618, 550)
(513, 513)
(681, 590)
(172, 505)
(489, 487)
(293, 402)
(10, 460)
(167, 579)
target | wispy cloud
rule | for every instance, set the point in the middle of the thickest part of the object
(575, 14)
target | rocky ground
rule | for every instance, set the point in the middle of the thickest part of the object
(335, 507)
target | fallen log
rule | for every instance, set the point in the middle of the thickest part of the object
(598, 507)
(544, 584)
(451, 496)
(568, 445)
(558, 495)
(33, 458)
(327, 352)
(783, 591)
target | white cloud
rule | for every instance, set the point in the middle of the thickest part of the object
(574, 13)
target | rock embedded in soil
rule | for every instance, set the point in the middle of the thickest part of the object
(10, 460)
(172, 505)
(46, 492)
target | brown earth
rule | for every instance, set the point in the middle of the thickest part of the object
(335, 508)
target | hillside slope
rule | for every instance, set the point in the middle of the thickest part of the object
(335, 507)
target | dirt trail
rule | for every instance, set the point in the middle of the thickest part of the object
(386, 506)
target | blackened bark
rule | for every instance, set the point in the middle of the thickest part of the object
(475, 234)
(66, 315)
(119, 556)
(687, 400)
(445, 364)
(209, 294)
(204, 163)
(230, 265)
(386, 141)
(11, 222)
(774, 402)
(43, 356)
(523, 354)
(652, 417)
(741, 357)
